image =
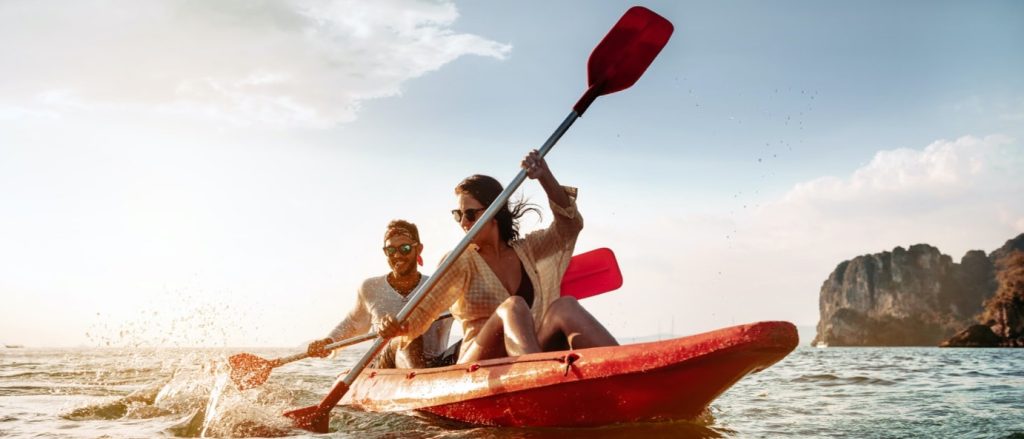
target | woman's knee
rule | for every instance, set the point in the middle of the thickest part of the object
(565, 304)
(560, 310)
(514, 304)
(563, 310)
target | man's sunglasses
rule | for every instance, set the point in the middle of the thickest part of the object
(470, 214)
(404, 249)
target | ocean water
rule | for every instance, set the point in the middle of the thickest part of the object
(830, 392)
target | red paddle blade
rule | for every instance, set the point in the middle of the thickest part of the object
(624, 54)
(248, 370)
(591, 273)
(311, 418)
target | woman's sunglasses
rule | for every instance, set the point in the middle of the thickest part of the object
(404, 249)
(470, 214)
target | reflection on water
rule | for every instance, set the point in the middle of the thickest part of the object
(854, 392)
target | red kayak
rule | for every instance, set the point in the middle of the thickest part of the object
(664, 380)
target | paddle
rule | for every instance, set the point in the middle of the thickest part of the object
(615, 64)
(589, 274)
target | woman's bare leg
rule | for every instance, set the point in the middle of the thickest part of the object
(508, 332)
(566, 316)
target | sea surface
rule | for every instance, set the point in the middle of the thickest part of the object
(815, 392)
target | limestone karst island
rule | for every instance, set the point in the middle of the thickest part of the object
(920, 297)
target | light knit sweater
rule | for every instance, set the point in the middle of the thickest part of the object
(376, 298)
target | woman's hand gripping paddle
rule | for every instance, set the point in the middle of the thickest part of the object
(616, 63)
(589, 274)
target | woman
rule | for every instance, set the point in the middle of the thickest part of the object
(386, 295)
(504, 289)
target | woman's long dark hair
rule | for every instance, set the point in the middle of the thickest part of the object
(486, 189)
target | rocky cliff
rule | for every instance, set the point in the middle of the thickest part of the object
(907, 297)
(1002, 321)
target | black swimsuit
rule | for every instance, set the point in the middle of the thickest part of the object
(525, 287)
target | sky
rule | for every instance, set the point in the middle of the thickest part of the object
(190, 173)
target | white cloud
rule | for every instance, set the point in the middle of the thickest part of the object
(309, 63)
(946, 187)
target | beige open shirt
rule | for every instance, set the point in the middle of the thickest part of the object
(472, 291)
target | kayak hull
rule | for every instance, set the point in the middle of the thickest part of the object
(665, 380)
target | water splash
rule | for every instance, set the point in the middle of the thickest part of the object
(198, 399)
(229, 412)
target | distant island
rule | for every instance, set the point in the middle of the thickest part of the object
(920, 297)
